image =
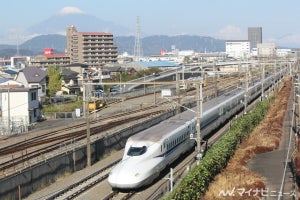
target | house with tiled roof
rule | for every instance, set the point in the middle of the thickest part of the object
(33, 77)
(70, 81)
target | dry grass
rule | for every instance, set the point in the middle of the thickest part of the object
(265, 137)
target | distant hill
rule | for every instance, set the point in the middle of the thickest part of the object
(150, 45)
(153, 44)
(37, 44)
(7, 51)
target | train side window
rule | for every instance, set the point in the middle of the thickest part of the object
(221, 111)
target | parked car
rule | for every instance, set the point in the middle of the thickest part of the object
(156, 74)
(115, 89)
(99, 93)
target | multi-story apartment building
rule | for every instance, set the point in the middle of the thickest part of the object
(50, 59)
(91, 48)
(254, 36)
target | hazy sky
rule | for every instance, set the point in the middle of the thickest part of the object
(224, 19)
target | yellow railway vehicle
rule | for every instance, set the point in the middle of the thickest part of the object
(96, 104)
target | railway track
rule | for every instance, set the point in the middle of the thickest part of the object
(83, 185)
(18, 156)
(22, 152)
(162, 186)
(155, 191)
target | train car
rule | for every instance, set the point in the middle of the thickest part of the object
(96, 104)
(149, 152)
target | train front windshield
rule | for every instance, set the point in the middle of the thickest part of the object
(136, 151)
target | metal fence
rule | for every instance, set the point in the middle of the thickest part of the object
(15, 125)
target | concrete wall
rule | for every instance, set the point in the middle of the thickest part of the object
(45, 173)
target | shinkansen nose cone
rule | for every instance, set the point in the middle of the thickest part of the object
(127, 175)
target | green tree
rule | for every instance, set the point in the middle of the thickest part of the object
(187, 59)
(54, 80)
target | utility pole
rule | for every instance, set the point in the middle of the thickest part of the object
(178, 92)
(84, 99)
(144, 84)
(246, 90)
(88, 139)
(154, 93)
(8, 112)
(298, 95)
(262, 81)
(199, 115)
(215, 80)
(275, 64)
(88, 128)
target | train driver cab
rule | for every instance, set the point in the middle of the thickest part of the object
(136, 151)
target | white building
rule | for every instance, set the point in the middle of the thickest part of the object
(266, 49)
(238, 49)
(19, 62)
(18, 104)
(282, 53)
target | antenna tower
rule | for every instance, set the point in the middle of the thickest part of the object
(137, 43)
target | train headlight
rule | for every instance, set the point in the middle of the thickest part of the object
(137, 174)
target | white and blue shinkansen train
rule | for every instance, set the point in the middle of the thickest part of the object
(147, 153)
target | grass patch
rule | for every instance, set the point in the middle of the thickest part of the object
(68, 107)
